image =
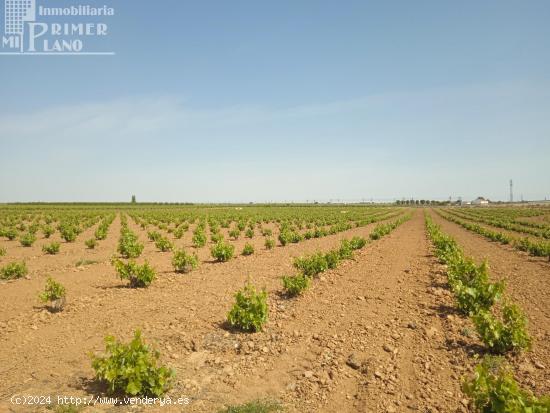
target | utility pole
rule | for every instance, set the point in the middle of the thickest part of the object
(511, 191)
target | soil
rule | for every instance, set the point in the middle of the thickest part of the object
(378, 334)
(511, 233)
(527, 283)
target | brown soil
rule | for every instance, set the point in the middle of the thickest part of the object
(511, 233)
(377, 334)
(527, 283)
(540, 219)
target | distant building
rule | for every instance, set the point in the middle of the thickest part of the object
(480, 201)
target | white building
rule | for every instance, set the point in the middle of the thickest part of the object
(480, 201)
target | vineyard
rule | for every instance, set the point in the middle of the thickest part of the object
(264, 308)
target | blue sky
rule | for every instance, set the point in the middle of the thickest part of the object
(273, 101)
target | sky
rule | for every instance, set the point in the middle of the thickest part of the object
(247, 101)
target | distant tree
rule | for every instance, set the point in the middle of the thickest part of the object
(133, 199)
(398, 202)
(417, 202)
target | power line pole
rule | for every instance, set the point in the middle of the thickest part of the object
(511, 191)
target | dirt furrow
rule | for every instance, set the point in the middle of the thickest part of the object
(526, 280)
(377, 334)
(369, 337)
(176, 308)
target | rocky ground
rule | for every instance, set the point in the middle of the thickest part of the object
(378, 334)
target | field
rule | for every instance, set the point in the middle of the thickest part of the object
(381, 308)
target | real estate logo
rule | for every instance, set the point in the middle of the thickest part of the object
(31, 29)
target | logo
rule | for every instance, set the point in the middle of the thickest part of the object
(34, 29)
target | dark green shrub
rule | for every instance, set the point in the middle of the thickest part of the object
(332, 259)
(477, 296)
(129, 245)
(312, 265)
(471, 286)
(269, 243)
(54, 293)
(154, 235)
(384, 229)
(102, 230)
(132, 369)
(27, 239)
(356, 243)
(217, 237)
(345, 251)
(248, 249)
(284, 237)
(535, 248)
(163, 244)
(266, 232)
(378, 232)
(13, 270)
(139, 275)
(222, 251)
(319, 233)
(493, 389)
(10, 233)
(178, 232)
(214, 228)
(184, 262)
(508, 334)
(68, 232)
(250, 311)
(52, 248)
(199, 239)
(295, 284)
(287, 236)
(48, 231)
(100, 234)
(91, 243)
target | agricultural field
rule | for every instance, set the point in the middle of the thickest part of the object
(264, 308)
